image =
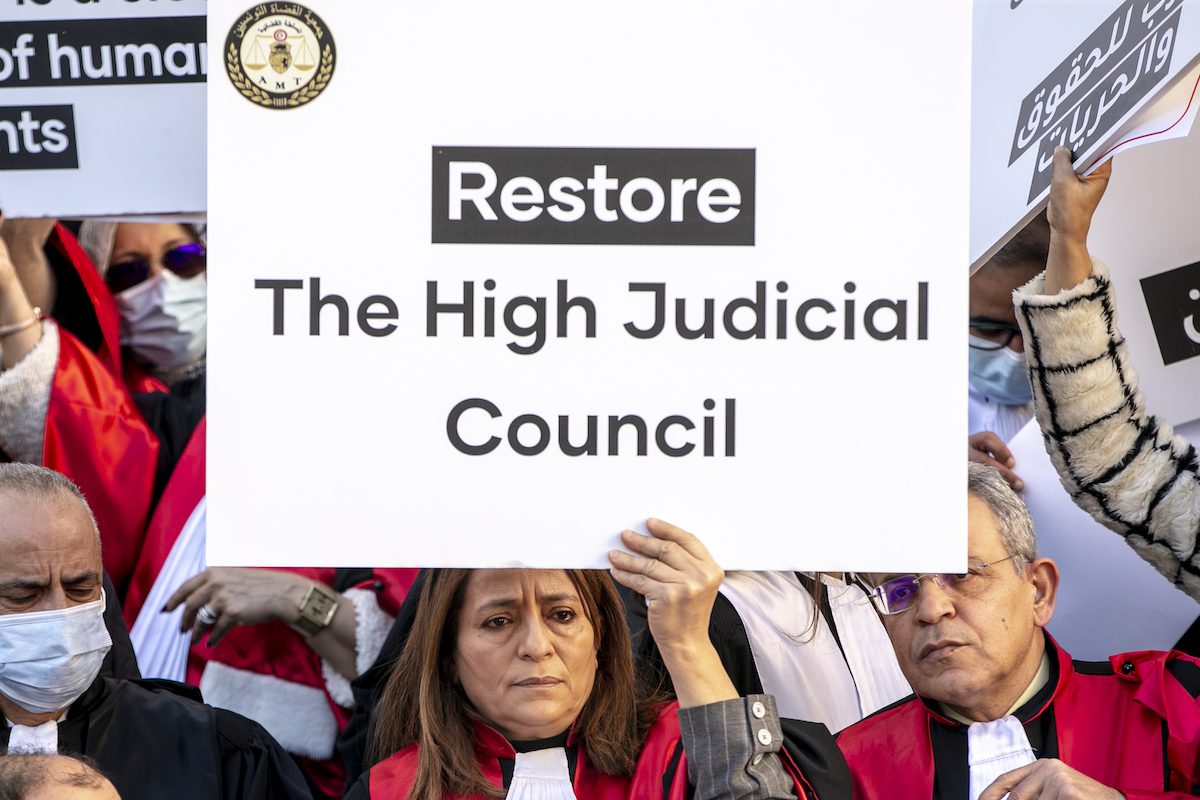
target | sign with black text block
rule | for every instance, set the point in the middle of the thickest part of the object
(102, 109)
(492, 281)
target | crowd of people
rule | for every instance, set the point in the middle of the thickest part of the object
(128, 669)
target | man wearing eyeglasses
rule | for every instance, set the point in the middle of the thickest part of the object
(1000, 400)
(999, 706)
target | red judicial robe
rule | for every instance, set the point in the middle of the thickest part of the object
(95, 434)
(661, 770)
(1131, 723)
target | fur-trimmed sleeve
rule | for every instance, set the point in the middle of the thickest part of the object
(1122, 465)
(25, 399)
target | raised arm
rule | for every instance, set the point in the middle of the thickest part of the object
(20, 328)
(1122, 465)
(1073, 202)
(732, 743)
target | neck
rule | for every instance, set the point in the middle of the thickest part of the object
(19, 716)
(1010, 691)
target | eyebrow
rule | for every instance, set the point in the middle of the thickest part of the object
(30, 584)
(22, 584)
(509, 602)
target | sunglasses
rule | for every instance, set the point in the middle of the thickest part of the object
(186, 261)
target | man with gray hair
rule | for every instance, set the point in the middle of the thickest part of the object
(1001, 708)
(154, 738)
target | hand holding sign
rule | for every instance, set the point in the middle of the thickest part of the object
(1073, 201)
(679, 578)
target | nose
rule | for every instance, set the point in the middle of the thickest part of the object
(934, 603)
(535, 641)
(1017, 344)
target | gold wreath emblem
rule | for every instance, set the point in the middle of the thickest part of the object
(233, 64)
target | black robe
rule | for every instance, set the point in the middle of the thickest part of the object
(154, 740)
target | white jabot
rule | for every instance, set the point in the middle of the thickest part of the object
(541, 775)
(161, 649)
(805, 669)
(994, 748)
(38, 739)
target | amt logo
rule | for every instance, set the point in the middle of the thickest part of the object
(1173, 300)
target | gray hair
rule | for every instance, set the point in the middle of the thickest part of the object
(22, 774)
(1012, 515)
(30, 480)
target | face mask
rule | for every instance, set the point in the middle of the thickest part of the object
(1000, 375)
(48, 658)
(164, 319)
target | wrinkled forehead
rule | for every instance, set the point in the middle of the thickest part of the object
(508, 586)
(45, 530)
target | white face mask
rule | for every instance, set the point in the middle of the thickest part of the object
(49, 658)
(164, 319)
(1000, 375)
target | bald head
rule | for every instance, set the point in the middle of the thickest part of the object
(57, 777)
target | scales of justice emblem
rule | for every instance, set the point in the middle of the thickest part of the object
(279, 55)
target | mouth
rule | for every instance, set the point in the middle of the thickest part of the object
(936, 651)
(538, 683)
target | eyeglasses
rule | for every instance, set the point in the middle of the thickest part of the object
(186, 261)
(898, 594)
(992, 335)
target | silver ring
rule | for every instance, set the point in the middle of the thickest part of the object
(206, 615)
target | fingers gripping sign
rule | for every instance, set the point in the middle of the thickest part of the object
(1073, 199)
(679, 578)
(1048, 779)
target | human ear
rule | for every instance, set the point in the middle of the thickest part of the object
(1043, 576)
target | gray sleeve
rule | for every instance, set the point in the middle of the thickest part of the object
(732, 749)
(1122, 465)
(25, 399)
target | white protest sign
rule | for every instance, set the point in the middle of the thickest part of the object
(1049, 73)
(491, 281)
(1109, 599)
(103, 107)
(1145, 230)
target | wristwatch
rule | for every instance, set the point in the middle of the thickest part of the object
(316, 610)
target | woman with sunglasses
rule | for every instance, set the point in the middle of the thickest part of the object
(156, 273)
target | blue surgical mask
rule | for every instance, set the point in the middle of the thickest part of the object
(1000, 375)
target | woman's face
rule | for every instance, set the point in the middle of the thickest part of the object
(526, 651)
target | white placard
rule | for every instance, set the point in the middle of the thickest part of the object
(828, 445)
(1145, 231)
(1047, 73)
(1109, 599)
(103, 107)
